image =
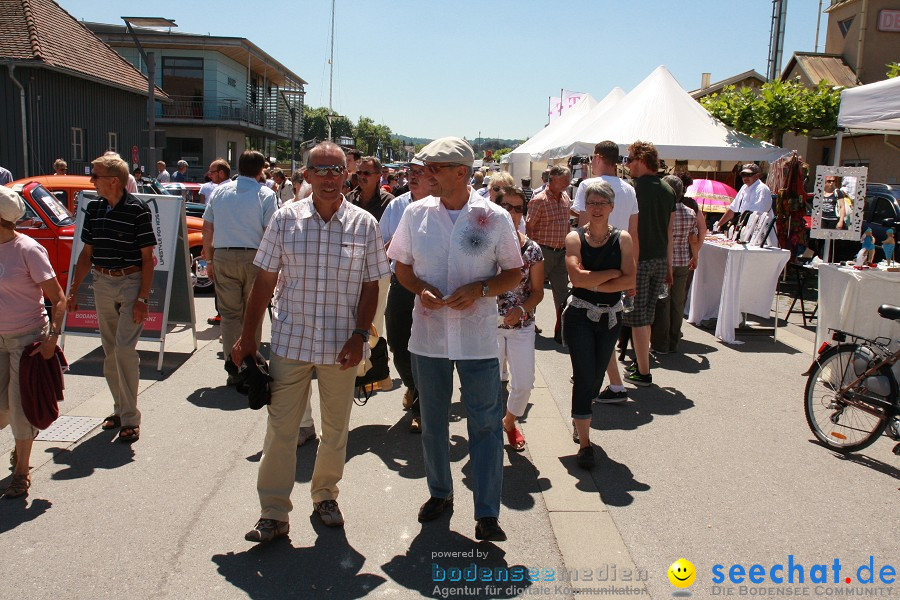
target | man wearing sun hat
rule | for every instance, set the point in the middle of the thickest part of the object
(754, 195)
(456, 251)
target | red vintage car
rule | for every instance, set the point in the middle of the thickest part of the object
(51, 223)
(66, 188)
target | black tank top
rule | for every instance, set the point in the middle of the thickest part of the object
(608, 256)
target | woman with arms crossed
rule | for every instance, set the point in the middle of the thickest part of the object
(600, 263)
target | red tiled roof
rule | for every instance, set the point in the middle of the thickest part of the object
(42, 31)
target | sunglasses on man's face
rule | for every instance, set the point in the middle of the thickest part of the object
(325, 170)
(368, 173)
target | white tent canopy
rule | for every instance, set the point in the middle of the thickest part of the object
(520, 158)
(873, 108)
(658, 110)
(537, 147)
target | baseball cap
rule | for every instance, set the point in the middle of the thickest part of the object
(12, 207)
(448, 150)
(750, 168)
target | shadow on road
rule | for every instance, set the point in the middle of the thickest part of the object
(644, 405)
(100, 451)
(614, 480)
(520, 482)
(400, 450)
(91, 364)
(866, 461)
(436, 554)
(17, 511)
(330, 568)
(222, 398)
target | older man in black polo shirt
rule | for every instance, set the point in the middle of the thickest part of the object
(118, 249)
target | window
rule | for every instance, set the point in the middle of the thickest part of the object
(112, 142)
(882, 210)
(182, 79)
(231, 150)
(844, 26)
(77, 143)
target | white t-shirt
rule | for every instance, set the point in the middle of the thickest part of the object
(206, 190)
(448, 255)
(625, 202)
(756, 197)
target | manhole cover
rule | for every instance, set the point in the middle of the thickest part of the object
(69, 429)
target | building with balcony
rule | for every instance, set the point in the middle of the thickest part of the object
(227, 95)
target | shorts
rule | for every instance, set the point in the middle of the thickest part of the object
(651, 276)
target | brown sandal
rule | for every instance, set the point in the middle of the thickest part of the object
(18, 487)
(111, 422)
(130, 434)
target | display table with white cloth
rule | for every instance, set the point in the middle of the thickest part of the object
(849, 300)
(731, 280)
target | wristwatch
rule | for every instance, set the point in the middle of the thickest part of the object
(364, 333)
(143, 300)
(484, 289)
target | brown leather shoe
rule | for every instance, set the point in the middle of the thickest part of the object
(267, 530)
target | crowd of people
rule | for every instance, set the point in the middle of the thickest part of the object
(447, 263)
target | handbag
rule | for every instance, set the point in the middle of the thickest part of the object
(375, 368)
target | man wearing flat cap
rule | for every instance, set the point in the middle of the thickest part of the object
(754, 195)
(456, 251)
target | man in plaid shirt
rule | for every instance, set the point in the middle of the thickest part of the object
(547, 223)
(323, 257)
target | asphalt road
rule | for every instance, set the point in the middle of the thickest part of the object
(714, 464)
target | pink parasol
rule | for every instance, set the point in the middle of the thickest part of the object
(711, 196)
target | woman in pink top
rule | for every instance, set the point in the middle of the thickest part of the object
(25, 277)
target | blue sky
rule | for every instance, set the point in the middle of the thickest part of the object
(428, 69)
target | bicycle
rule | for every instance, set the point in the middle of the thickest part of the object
(852, 394)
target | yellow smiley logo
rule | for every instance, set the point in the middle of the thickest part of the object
(682, 573)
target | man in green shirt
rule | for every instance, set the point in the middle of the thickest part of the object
(656, 203)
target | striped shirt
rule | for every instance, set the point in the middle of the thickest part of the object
(321, 268)
(117, 233)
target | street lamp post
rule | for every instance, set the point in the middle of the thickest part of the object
(150, 61)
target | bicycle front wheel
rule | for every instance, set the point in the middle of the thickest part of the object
(835, 421)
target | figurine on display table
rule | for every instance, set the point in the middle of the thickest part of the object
(868, 244)
(888, 246)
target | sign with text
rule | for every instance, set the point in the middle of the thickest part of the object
(171, 292)
(889, 20)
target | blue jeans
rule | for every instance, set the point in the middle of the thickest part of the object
(480, 383)
(590, 346)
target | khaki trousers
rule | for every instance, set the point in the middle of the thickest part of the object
(234, 276)
(115, 297)
(290, 398)
(11, 413)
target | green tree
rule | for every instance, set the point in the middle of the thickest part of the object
(778, 107)
(374, 139)
(499, 154)
(315, 124)
(893, 70)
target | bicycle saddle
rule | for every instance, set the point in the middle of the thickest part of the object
(889, 312)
